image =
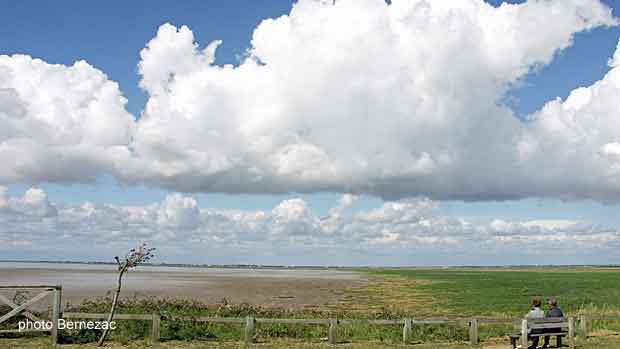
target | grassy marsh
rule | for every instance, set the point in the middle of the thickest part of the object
(390, 294)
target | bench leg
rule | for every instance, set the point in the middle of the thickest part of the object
(558, 341)
(513, 342)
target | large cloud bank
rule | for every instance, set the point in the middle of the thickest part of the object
(354, 96)
(403, 232)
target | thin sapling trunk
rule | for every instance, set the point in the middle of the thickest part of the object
(132, 259)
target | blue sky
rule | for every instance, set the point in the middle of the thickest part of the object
(110, 35)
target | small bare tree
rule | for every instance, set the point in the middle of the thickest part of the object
(132, 259)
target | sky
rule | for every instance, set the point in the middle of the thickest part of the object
(315, 132)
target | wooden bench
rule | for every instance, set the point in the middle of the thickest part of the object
(552, 327)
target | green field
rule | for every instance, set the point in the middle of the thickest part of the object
(465, 292)
(390, 294)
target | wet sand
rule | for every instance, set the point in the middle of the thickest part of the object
(287, 288)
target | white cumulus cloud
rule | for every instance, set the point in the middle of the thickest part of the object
(34, 203)
(353, 96)
(404, 232)
(58, 123)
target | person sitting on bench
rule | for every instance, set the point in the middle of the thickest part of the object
(553, 312)
(535, 313)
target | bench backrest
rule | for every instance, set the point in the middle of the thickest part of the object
(547, 323)
(565, 324)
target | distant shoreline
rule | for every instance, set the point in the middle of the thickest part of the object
(265, 266)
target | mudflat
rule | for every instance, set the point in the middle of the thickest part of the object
(286, 288)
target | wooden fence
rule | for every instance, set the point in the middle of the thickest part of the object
(407, 324)
(55, 291)
(250, 322)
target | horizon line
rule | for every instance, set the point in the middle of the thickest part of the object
(301, 266)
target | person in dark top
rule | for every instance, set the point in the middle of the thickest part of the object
(553, 311)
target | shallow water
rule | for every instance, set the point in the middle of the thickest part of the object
(255, 286)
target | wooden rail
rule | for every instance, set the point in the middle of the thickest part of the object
(250, 323)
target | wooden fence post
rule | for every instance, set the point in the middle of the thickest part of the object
(56, 313)
(473, 331)
(583, 324)
(155, 328)
(571, 332)
(331, 335)
(250, 326)
(407, 331)
(524, 341)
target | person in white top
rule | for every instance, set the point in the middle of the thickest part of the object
(535, 313)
